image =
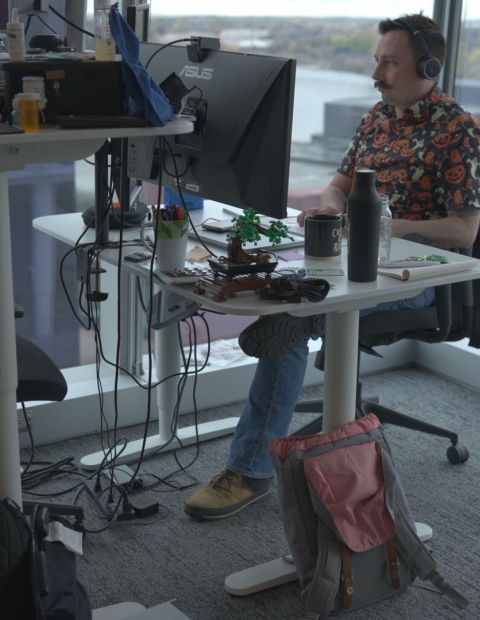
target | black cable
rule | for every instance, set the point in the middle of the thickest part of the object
(176, 174)
(179, 189)
(195, 381)
(32, 442)
(27, 25)
(45, 23)
(140, 295)
(67, 21)
(163, 47)
(295, 289)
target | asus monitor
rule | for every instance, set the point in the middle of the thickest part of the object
(239, 153)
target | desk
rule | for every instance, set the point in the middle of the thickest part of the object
(341, 306)
(17, 150)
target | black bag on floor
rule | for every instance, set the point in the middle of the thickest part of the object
(37, 577)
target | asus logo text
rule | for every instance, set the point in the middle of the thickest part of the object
(196, 72)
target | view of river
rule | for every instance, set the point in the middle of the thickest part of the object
(314, 87)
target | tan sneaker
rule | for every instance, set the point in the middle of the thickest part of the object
(226, 494)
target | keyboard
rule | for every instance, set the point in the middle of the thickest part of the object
(290, 222)
(294, 228)
(79, 121)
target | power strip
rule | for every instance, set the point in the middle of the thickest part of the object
(122, 476)
(106, 513)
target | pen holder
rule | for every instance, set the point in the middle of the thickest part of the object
(171, 243)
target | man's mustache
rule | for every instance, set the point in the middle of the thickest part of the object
(382, 85)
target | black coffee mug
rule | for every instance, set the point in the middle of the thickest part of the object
(323, 236)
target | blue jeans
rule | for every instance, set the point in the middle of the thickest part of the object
(273, 395)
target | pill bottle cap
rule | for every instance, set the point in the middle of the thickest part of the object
(27, 96)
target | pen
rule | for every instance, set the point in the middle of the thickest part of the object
(408, 264)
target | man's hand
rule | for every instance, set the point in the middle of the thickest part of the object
(333, 199)
(327, 209)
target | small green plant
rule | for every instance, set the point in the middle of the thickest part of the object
(249, 228)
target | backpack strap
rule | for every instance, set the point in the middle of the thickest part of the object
(346, 576)
(326, 577)
(393, 563)
(420, 559)
(415, 553)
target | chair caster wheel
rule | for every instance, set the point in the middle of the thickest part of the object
(457, 454)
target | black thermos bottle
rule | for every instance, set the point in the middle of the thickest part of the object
(364, 207)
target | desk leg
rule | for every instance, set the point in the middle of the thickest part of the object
(167, 357)
(340, 379)
(10, 483)
(340, 374)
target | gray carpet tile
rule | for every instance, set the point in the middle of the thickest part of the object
(169, 556)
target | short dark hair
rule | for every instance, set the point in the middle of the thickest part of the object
(434, 39)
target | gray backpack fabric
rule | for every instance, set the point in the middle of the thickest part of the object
(347, 520)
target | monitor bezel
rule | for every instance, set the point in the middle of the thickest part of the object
(133, 11)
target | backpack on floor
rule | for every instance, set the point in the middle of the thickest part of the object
(37, 577)
(347, 520)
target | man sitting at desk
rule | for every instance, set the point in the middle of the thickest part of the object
(425, 150)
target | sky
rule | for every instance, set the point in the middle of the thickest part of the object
(304, 8)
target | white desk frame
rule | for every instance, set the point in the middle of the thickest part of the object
(17, 150)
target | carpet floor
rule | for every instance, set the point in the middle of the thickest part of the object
(169, 556)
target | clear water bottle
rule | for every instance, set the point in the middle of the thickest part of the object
(385, 231)
(104, 43)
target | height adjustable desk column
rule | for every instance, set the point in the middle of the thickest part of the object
(17, 150)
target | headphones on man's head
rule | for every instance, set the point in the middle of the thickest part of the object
(428, 66)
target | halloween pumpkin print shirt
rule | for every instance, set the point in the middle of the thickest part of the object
(427, 161)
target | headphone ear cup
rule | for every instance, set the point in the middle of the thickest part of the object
(429, 68)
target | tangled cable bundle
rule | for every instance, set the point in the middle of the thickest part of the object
(295, 289)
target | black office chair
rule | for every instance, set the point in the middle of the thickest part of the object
(448, 319)
(39, 379)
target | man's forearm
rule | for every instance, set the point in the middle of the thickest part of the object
(333, 197)
(446, 233)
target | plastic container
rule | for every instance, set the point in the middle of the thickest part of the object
(385, 237)
(34, 84)
(172, 197)
(16, 38)
(28, 104)
(364, 207)
(104, 43)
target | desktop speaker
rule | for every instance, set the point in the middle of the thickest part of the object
(130, 218)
